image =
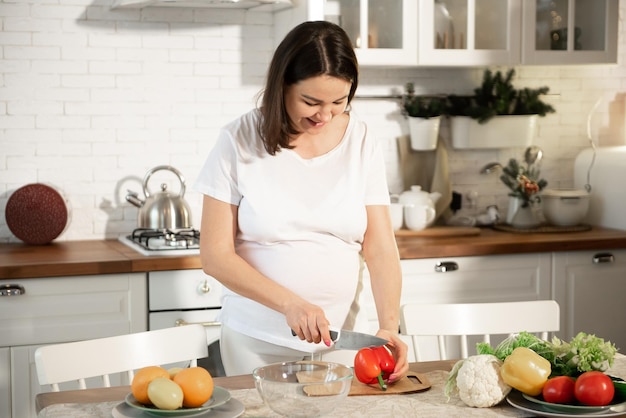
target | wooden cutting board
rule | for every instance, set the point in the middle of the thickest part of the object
(411, 383)
(440, 231)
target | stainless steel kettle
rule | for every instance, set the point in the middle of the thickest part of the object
(162, 210)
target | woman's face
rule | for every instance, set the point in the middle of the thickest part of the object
(312, 103)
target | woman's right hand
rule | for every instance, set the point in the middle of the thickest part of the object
(309, 322)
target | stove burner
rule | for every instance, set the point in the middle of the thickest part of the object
(165, 239)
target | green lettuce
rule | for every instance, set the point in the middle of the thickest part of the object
(585, 352)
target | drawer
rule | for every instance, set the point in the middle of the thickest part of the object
(183, 289)
(60, 309)
(206, 317)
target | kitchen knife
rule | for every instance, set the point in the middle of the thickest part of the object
(352, 340)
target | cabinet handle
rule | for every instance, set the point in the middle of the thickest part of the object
(204, 288)
(445, 266)
(12, 290)
(601, 258)
(181, 322)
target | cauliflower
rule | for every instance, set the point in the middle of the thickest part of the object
(478, 381)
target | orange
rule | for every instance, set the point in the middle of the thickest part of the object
(143, 377)
(197, 386)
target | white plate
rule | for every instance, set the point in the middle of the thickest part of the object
(516, 400)
(231, 409)
(220, 397)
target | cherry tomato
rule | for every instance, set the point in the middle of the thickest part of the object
(559, 389)
(594, 389)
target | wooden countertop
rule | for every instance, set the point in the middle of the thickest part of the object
(72, 258)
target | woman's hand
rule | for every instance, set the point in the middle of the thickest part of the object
(399, 350)
(309, 322)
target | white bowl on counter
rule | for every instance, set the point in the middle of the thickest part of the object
(565, 207)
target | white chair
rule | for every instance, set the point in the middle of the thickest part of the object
(476, 319)
(77, 361)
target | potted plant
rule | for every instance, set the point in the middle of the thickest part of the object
(498, 115)
(424, 116)
(524, 185)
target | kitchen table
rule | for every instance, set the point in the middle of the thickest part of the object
(430, 403)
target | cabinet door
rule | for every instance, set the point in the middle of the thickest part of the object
(62, 309)
(549, 24)
(58, 309)
(590, 287)
(24, 384)
(383, 31)
(5, 382)
(469, 32)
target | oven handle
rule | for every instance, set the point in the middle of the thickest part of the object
(181, 322)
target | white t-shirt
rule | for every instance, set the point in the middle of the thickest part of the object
(301, 221)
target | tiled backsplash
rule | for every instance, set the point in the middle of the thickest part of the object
(92, 98)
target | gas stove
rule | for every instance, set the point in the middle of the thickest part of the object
(161, 242)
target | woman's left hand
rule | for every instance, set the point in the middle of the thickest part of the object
(399, 349)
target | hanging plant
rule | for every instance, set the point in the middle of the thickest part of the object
(421, 106)
(497, 96)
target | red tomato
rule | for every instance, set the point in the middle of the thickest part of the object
(559, 389)
(594, 389)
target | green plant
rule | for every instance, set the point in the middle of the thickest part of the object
(421, 106)
(497, 96)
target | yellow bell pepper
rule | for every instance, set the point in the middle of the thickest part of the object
(525, 371)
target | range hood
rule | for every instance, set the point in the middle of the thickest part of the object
(255, 5)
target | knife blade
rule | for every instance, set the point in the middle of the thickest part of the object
(352, 340)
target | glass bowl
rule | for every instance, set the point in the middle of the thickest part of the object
(303, 388)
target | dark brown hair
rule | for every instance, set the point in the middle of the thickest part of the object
(310, 49)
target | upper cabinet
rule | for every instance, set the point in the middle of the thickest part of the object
(570, 31)
(468, 33)
(383, 32)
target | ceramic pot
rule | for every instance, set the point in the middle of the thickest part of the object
(506, 131)
(424, 133)
(565, 207)
(520, 216)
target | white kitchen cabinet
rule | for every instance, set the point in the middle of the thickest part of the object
(61, 309)
(466, 33)
(496, 278)
(469, 32)
(511, 32)
(384, 32)
(590, 287)
(547, 24)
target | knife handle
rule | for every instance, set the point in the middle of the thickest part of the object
(334, 335)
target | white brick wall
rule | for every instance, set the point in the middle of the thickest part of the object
(92, 98)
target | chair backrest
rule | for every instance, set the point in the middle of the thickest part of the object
(476, 319)
(77, 361)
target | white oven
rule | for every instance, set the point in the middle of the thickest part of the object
(179, 297)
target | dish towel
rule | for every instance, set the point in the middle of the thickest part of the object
(428, 169)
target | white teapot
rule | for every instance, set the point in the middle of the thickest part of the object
(419, 207)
